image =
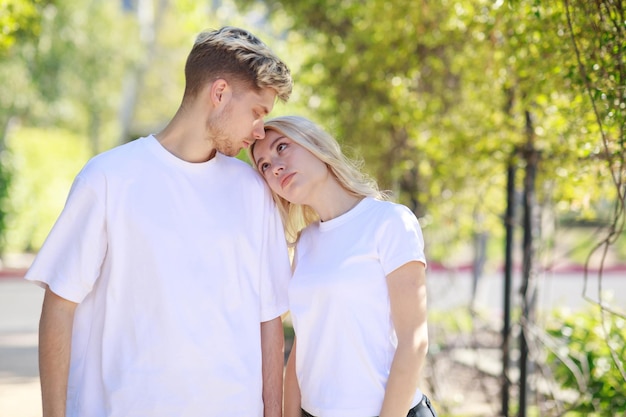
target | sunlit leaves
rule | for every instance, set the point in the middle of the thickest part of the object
(589, 349)
(45, 162)
(434, 97)
(19, 20)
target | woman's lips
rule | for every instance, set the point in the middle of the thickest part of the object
(286, 180)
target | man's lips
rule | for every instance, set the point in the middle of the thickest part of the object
(286, 180)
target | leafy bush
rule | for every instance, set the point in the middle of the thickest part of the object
(44, 163)
(589, 359)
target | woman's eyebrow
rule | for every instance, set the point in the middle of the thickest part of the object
(272, 145)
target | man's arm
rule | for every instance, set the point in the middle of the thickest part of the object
(55, 339)
(272, 349)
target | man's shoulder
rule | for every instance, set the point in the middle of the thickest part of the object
(118, 153)
(113, 160)
(241, 171)
(235, 163)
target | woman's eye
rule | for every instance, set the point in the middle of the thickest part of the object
(264, 166)
(281, 147)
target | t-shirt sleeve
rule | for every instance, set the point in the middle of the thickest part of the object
(70, 259)
(275, 268)
(400, 239)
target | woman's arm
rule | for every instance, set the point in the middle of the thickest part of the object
(55, 341)
(407, 295)
(272, 347)
(292, 389)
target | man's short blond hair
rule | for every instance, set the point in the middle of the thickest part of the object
(240, 58)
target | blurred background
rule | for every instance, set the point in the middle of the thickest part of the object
(501, 124)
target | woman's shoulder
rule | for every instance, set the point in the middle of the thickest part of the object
(390, 208)
(394, 218)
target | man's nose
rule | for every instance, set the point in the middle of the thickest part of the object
(258, 131)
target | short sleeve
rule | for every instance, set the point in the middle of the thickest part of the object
(71, 257)
(275, 268)
(400, 239)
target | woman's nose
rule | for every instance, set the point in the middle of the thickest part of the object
(278, 168)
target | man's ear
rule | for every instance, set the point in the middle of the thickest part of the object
(219, 92)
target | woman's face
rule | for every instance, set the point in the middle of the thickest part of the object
(291, 171)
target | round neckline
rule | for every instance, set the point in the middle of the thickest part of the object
(169, 158)
(347, 216)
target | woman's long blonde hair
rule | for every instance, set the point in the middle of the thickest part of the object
(313, 138)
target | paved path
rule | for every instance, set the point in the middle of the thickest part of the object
(449, 289)
(20, 306)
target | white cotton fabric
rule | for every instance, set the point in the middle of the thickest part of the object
(175, 265)
(340, 309)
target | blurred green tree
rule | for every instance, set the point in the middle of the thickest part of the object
(438, 97)
(65, 77)
(19, 21)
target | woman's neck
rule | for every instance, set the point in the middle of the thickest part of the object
(335, 203)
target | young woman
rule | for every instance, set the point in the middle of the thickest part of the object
(357, 296)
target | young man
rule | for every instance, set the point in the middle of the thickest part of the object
(165, 274)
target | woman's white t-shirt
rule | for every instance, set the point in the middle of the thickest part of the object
(340, 308)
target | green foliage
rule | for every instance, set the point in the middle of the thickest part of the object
(45, 163)
(6, 175)
(397, 91)
(64, 70)
(19, 20)
(432, 95)
(590, 359)
(435, 98)
(70, 76)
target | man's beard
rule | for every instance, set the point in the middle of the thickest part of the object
(219, 133)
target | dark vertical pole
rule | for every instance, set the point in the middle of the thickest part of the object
(509, 223)
(531, 157)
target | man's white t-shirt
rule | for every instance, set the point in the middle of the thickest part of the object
(340, 308)
(175, 265)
